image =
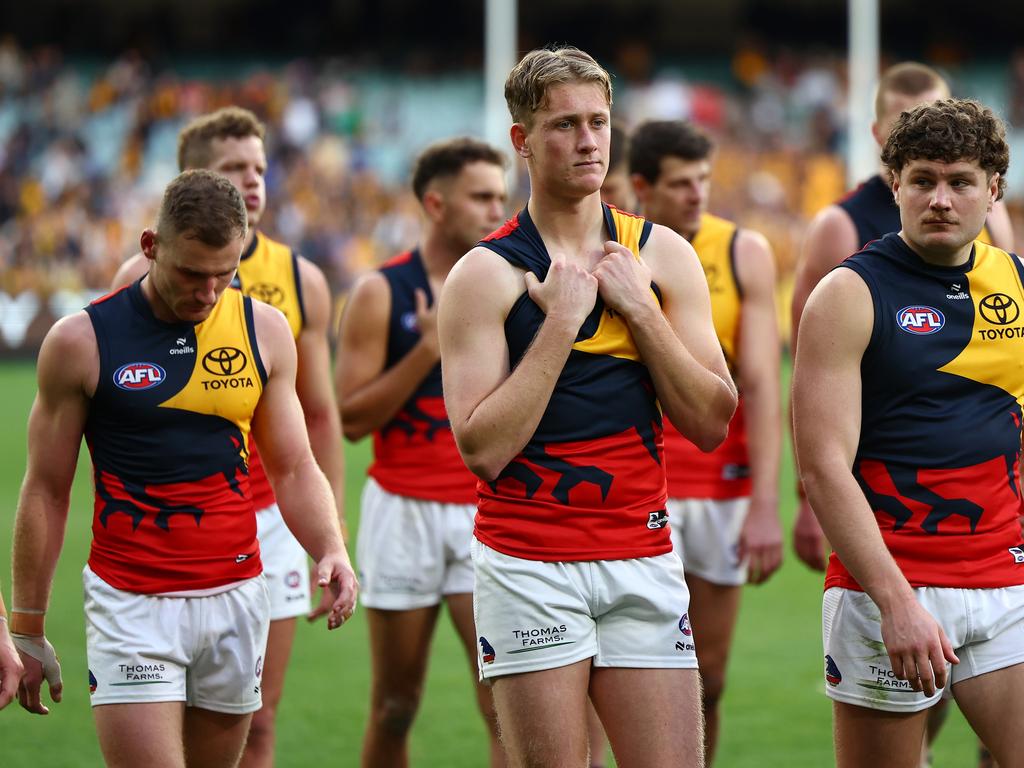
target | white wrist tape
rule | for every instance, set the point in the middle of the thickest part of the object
(39, 648)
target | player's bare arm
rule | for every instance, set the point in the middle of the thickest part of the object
(759, 380)
(494, 411)
(302, 490)
(1000, 227)
(313, 382)
(130, 271)
(368, 395)
(67, 371)
(838, 324)
(677, 341)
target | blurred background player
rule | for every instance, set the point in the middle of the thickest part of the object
(911, 337)
(417, 513)
(165, 379)
(231, 142)
(865, 214)
(723, 506)
(617, 188)
(543, 328)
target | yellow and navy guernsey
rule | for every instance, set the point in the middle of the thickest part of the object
(725, 472)
(590, 483)
(940, 440)
(874, 212)
(167, 430)
(269, 272)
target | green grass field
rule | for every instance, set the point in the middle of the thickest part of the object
(775, 713)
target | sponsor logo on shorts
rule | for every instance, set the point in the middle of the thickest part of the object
(686, 645)
(539, 638)
(141, 674)
(1018, 554)
(292, 579)
(92, 682)
(486, 651)
(138, 376)
(920, 320)
(832, 674)
(883, 679)
(656, 520)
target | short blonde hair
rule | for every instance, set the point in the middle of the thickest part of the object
(908, 78)
(526, 88)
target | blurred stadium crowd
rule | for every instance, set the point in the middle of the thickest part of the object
(86, 148)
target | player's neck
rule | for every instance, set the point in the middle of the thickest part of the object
(439, 253)
(161, 309)
(568, 226)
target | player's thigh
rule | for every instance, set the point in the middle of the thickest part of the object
(543, 715)
(147, 734)
(214, 739)
(990, 702)
(869, 738)
(400, 551)
(652, 716)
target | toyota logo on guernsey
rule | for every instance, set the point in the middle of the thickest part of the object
(224, 361)
(137, 376)
(920, 320)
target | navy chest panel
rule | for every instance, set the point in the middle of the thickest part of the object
(404, 276)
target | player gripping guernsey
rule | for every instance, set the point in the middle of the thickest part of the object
(914, 338)
(560, 335)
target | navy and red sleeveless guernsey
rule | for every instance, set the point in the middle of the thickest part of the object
(269, 272)
(414, 454)
(942, 387)
(167, 431)
(724, 473)
(590, 484)
(874, 212)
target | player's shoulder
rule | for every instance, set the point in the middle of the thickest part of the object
(131, 270)
(69, 350)
(833, 225)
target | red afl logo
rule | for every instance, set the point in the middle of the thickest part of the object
(135, 376)
(920, 320)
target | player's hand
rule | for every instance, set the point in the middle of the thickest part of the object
(41, 663)
(326, 599)
(426, 321)
(568, 292)
(918, 648)
(761, 541)
(334, 573)
(808, 538)
(623, 279)
(11, 667)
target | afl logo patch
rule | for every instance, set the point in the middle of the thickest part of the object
(920, 320)
(135, 376)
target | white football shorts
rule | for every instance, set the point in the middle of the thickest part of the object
(206, 651)
(533, 615)
(285, 565)
(985, 627)
(706, 536)
(412, 552)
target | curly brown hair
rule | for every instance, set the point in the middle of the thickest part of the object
(196, 139)
(948, 131)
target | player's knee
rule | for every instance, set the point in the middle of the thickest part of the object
(394, 715)
(261, 731)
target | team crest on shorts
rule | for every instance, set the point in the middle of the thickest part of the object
(684, 625)
(486, 651)
(832, 674)
(92, 682)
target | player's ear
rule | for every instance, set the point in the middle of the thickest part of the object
(519, 142)
(433, 204)
(148, 243)
(993, 190)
